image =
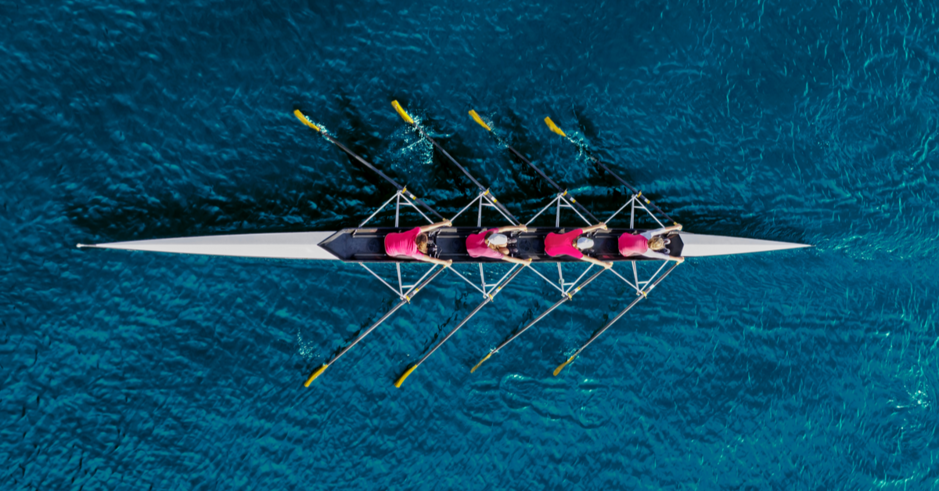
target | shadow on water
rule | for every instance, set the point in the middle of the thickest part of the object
(613, 194)
(294, 210)
(445, 174)
(284, 210)
(360, 139)
(585, 125)
(513, 130)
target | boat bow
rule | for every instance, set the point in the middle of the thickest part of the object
(717, 245)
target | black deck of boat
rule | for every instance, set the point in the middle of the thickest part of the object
(368, 245)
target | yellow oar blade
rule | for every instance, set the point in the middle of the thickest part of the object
(562, 365)
(404, 376)
(401, 112)
(479, 120)
(553, 127)
(481, 362)
(305, 120)
(315, 374)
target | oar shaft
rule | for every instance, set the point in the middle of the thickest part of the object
(407, 119)
(474, 312)
(384, 317)
(454, 330)
(452, 160)
(661, 278)
(306, 121)
(624, 311)
(587, 282)
(551, 181)
(542, 174)
(608, 324)
(466, 172)
(367, 331)
(532, 323)
(518, 154)
(363, 161)
(631, 188)
(382, 174)
(554, 128)
(551, 309)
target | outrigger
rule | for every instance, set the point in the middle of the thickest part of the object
(365, 245)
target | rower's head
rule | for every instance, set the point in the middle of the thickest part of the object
(421, 241)
(497, 241)
(583, 243)
(656, 243)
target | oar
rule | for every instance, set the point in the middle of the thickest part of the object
(614, 319)
(518, 154)
(305, 120)
(488, 299)
(407, 119)
(553, 127)
(567, 297)
(407, 299)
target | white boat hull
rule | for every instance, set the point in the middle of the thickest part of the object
(304, 245)
(291, 245)
(718, 245)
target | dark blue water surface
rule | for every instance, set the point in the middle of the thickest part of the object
(811, 122)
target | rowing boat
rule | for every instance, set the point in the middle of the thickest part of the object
(364, 245)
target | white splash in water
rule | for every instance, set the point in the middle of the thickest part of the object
(305, 349)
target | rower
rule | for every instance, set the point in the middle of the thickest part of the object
(413, 244)
(649, 244)
(493, 243)
(572, 244)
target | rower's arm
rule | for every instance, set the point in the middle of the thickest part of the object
(665, 257)
(602, 264)
(512, 228)
(434, 260)
(598, 226)
(515, 260)
(435, 226)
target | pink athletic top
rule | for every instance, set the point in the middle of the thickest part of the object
(560, 244)
(402, 243)
(476, 245)
(632, 245)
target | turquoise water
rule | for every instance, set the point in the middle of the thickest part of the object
(810, 122)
